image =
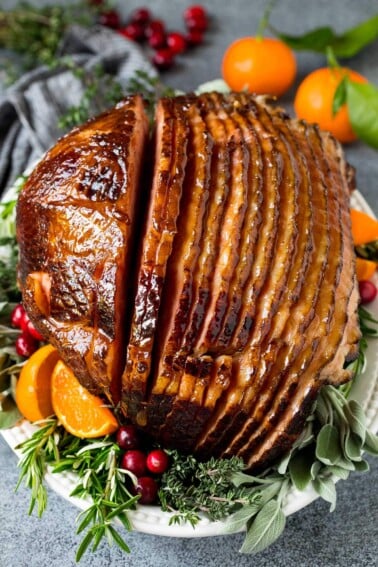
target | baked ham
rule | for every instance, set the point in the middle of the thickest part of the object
(214, 312)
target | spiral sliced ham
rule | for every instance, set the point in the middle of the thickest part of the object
(221, 318)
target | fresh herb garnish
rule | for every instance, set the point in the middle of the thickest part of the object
(35, 32)
(347, 44)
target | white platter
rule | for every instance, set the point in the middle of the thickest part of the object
(150, 519)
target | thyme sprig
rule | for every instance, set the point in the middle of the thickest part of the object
(35, 32)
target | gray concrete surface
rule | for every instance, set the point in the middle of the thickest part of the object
(313, 537)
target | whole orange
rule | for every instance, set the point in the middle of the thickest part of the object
(259, 65)
(314, 97)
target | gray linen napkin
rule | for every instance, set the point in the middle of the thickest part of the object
(30, 109)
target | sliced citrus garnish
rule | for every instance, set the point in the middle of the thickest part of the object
(80, 412)
(33, 388)
(365, 269)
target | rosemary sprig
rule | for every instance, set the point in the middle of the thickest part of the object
(37, 451)
(104, 482)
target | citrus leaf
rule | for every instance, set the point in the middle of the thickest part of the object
(340, 96)
(355, 39)
(239, 519)
(265, 529)
(347, 44)
(314, 40)
(326, 489)
(328, 449)
(362, 102)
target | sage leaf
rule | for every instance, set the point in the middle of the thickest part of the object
(300, 467)
(362, 102)
(371, 443)
(265, 528)
(321, 410)
(328, 449)
(346, 464)
(362, 466)
(353, 447)
(338, 471)
(9, 414)
(356, 418)
(239, 519)
(339, 97)
(326, 489)
(315, 468)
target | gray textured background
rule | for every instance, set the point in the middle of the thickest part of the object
(313, 537)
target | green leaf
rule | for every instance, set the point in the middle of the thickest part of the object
(338, 471)
(356, 418)
(314, 40)
(84, 545)
(237, 521)
(347, 44)
(265, 529)
(346, 464)
(362, 466)
(326, 489)
(371, 443)
(328, 449)
(353, 447)
(315, 469)
(9, 414)
(340, 96)
(355, 39)
(362, 102)
(300, 467)
(118, 539)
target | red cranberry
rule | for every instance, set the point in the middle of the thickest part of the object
(194, 37)
(157, 40)
(163, 59)
(26, 345)
(17, 315)
(141, 15)
(199, 24)
(147, 488)
(157, 461)
(368, 291)
(154, 26)
(127, 437)
(195, 11)
(110, 19)
(134, 31)
(135, 462)
(33, 331)
(176, 42)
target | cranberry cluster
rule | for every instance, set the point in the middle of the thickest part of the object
(368, 291)
(141, 463)
(143, 27)
(28, 341)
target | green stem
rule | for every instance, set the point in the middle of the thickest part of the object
(265, 19)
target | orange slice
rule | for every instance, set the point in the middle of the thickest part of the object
(80, 412)
(33, 388)
(364, 227)
(365, 269)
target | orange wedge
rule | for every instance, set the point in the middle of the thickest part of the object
(365, 269)
(364, 227)
(33, 388)
(80, 412)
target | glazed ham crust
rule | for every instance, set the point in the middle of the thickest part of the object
(215, 325)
